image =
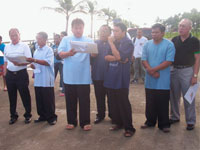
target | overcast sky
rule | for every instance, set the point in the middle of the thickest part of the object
(30, 19)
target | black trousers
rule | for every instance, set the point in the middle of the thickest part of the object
(121, 108)
(45, 102)
(73, 95)
(157, 107)
(100, 94)
(18, 80)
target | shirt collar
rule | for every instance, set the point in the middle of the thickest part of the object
(185, 39)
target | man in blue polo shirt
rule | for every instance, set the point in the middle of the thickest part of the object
(58, 63)
(77, 77)
(99, 66)
(158, 55)
(117, 79)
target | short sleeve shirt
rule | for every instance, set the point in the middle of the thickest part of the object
(76, 69)
(138, 46)
(155, 54)
(99, 64)
(185, 50)
(44, 76)
(118, 74)
(19, 49)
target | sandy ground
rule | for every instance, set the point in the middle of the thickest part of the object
(42, 136)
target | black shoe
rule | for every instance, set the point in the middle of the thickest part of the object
(12, 120)
(190, 127)
(27, 120)
(39, 120)
(53, 122)
(97, 120)
(173, 121)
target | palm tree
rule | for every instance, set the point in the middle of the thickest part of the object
(110, 14)
(92, 10)
(67, 8)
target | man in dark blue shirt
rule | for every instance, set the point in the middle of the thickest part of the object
(117, 79)
(98, 70)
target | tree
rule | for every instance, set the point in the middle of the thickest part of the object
(109, 14)
(67, 8)
(129, 24)
(92, 10)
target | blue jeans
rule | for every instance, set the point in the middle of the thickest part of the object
(59, 67)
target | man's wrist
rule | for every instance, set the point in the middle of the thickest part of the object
(195, 75)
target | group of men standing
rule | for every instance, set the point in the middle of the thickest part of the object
(110, 75)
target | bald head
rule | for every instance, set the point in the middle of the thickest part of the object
(185, 26)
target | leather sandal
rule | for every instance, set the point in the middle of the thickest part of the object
(128, 133)
(87, 127)
(70, 126)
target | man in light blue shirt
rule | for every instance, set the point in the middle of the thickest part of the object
(43, 65)
(77, 77)
(158, 55)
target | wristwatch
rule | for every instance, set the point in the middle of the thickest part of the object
(195, 75)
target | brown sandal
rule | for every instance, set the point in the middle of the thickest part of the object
(128, 133)
(87, 127)
(70, 126)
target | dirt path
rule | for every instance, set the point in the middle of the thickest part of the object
(44, 137)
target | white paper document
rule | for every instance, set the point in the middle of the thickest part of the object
(1, 54)
(84, 47)
(18, 59)
(191, 93)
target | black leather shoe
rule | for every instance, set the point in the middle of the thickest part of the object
(190, 127)
(97, 120)
(12, 120)
(173, 121)
(53, 122)
(27, 120)
(39, 120)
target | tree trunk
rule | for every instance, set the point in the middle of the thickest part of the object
(67, 22)
(91, 25)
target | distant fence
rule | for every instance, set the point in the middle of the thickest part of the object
(29, 42)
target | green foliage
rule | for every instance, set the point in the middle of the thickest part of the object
(172, 22)
(170, 35)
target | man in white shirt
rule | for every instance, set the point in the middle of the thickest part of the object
(138, 43)
(17, 76)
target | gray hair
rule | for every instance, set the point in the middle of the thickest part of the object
(44, 35)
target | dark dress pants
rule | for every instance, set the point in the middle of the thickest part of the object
(75, 94)
(45, 102)
(100, 94)
(121, 108)
(18, 80)
(157, 107)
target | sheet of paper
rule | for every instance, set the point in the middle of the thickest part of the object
(1, 54)
(18, 59)
(191, 93)
(84, 47)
